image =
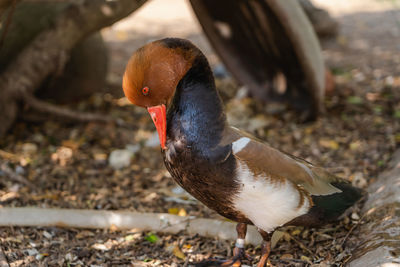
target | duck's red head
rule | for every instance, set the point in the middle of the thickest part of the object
(152, 74)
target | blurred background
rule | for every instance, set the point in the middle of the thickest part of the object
(70, 139)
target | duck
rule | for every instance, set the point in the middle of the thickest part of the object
(230, 171)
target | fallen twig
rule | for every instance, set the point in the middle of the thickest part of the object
(98, 219)
(302, 245)
(15, 176)
(352, 229)
(45, 107)
(8, 155)
(3, 258)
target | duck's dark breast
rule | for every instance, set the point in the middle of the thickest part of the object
(195, 123)
(212, 183)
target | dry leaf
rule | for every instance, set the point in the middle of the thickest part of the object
(331, 144)
(74, 145)
(286, 256)
(296, 232)
(173, 211)
(84, 234)
(113, 228)
(187, 246)
(305, 258)
(182, 212)
(178, 253)
(276, 236)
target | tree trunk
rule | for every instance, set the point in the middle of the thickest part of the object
(324, 25)
(49, 51)
(260, 40)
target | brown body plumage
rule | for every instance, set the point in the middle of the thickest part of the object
(233, 173)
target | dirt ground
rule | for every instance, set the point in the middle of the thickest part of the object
(67, 163)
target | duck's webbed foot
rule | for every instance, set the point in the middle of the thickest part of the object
(239, 252)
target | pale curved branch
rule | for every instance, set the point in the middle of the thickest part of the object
(95, 219)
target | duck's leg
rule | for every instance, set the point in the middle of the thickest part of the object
(238, 252)
(265, 249)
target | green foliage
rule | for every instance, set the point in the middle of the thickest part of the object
(152, 238)
(355, 100)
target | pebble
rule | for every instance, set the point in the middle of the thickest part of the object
(47, 235)
(19, 170)
(70, 257)
(63, 155)
(38, 138)
(29, 148)
(32, 252)
(178, 190)
(120, 158)
(359, 180)
(355, 216)
(100, 247)
(14, 188)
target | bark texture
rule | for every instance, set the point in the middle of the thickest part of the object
(380, 235)
(49, 51)
(323, 24)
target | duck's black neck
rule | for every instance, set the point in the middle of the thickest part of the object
(196, 113)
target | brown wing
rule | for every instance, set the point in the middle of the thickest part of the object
(262, 158)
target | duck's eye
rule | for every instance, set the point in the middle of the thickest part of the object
(145, 90)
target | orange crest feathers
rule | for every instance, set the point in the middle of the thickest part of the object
(157, 68)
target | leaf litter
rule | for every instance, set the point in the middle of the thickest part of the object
(68, 164)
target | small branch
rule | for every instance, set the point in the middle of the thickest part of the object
(16, 177)
(45, 107)
(8, 22)
(302, 245)
(352, 229)
(9, 156)
(3, 258)
(98, 219)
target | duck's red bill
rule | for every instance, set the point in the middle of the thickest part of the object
(159, 116)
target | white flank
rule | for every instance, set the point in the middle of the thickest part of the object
(239, 144)
(268, 205)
